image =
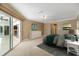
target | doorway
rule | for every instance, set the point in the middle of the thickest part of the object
(54, 28)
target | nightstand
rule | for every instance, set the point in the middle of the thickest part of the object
(72, 47)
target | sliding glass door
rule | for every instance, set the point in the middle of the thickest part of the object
(4, 34)
(10, 32)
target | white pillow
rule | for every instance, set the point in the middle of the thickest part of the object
(55, 39)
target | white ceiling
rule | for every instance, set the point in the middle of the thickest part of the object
(54, 11)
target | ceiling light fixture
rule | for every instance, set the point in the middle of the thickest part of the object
(44, 16)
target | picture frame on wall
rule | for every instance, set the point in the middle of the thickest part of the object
(34, 27)
(66, 28)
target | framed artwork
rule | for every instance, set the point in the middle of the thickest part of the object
(66, 28)
(34, 27)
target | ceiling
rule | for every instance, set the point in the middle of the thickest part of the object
(53, 11)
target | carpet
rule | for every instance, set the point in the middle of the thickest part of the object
(54, 50)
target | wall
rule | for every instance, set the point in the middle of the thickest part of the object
(62, 23)
(27, 28)
(47, 29)
(77, 31)
(40, 26)
(47, 26)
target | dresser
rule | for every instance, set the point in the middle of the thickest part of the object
(35, 34)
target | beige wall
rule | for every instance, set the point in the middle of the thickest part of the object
(40, 26)
(62, 23)
(47, 29)
(27, 28)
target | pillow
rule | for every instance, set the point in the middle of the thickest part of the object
(61, 41)
(55, 40)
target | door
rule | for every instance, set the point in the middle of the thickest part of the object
(9, 36)
(5, 34)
